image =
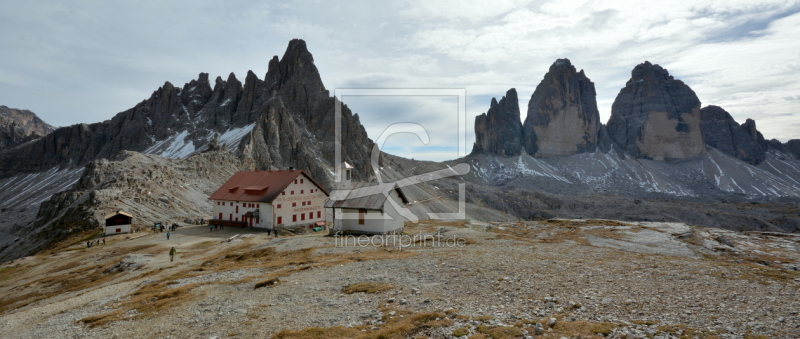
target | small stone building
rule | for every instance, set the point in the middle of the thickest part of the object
(118, 222)
(366, 208)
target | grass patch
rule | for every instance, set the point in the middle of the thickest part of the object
(500, 332)
(366, 287)
(79, 279)
(147, 301)
(460, 332)
(7, 272)
(688, 332)
(395, 327)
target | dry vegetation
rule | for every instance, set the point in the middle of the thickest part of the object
(366, 287)
(408, 326)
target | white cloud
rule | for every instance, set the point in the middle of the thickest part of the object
(741, 55)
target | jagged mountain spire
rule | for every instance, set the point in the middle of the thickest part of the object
(499, 130)
(562, 114)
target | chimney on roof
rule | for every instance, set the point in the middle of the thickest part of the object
(291, 168)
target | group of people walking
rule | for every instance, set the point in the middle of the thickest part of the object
(91, 243)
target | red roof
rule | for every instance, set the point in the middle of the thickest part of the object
(258, 186)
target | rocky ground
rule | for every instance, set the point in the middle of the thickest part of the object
(553, 279)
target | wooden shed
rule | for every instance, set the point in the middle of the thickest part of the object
(118, 222)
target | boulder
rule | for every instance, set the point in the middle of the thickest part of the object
(656, 116)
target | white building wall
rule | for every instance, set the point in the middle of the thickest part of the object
(397, 221)
(113, 229)
(300, 204)
(375, 222)
(292, 211)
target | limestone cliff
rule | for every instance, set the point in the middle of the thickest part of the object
(20, 126)
(499, 130)
(720, 131)
(656, 116)
(562, 114)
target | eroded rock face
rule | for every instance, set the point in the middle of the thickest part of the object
(499, 130)
(720, 131)
(749, 127)
(657, 117)
(562, 114)
(793, 147)
(20, 126)
(290, 108)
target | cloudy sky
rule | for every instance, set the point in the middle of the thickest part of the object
(84, 61)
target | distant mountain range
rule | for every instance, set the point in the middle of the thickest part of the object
(659, 144)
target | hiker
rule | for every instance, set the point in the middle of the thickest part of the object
(275, 229)
(104, 241)
(88, 245)
(211, 227)
(168, 235)
(172, 254)
(202, 221)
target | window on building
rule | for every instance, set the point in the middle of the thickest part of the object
(295, 181)
(347, 174)
(237, 218)
(302, 191)
(302, 216)
(283, 193)
(280, 220)
(319, 214)
(220, 215)
(294, 204)
(237, 209)
(230, 216)
(292, 192)
(294, 217)
(310, 215)
(279, 205)
(361, 215)
(231, 204)
(301, 181)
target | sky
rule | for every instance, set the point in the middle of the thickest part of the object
(85, 61)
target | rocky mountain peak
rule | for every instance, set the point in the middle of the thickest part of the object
(656, 116)
(296, 66)
(499, 130)
(20, 126)
(749, 127)
(562, 113)
(650, 72)
(723, 133)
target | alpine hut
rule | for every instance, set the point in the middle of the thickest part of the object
(118, 222)
(269, 199)
(366, 208)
